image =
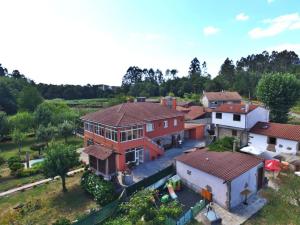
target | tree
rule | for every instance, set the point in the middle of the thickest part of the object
(7, 100)
(3, 71)
(46, 133)
(227, 72)
(18, 138)
(279, 92)
(195, 67)
(4, 126)
(29, 98)
(22, 121)
(59, 160)
(66, 129)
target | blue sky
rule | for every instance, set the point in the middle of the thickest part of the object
(86, 41)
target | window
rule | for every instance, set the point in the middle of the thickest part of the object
(149, 127)
(90, 142)
(236, 117)
(189, 172)
(130, 155)
(280, 146)
(234, 133)
(88, 127)
(272, 140)
(131, 133)
(218, 115)
(289, 148)
(111, 134)
(165, 123)
(175, 122)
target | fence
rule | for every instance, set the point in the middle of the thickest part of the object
(187, 216)
(108, 210)
(150, 180)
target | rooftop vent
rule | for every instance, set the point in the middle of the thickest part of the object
(265, 126)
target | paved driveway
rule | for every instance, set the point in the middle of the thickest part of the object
(148, 168)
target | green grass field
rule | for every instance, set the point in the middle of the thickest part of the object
(46, 203)
(9, 149)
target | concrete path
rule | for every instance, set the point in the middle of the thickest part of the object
(239, 214)
(27, 186)
(151, 167)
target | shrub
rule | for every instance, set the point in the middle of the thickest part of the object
(102, 191)
(30, 171)
(2, 160)
(223, 144)
(62, 221)
(13, 160)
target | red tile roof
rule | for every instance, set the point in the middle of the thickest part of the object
(131, 114)
(279, 130)
(224, 165)
(193, 112)
(235, 108)
(223, 95)
(98, 151)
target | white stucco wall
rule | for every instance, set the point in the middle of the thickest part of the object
(198, 180)
(227, 120)
(261, 142)
(258, 114)
(238, 185)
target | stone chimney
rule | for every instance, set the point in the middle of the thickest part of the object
(247, 107)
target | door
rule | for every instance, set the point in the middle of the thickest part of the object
(260, 177)
(139, 156)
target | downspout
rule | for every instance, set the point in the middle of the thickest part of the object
(228, 205)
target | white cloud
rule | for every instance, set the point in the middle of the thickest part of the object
(270, 1)
(286, 46)
(277, 26)
(242, 17)
(210, 30)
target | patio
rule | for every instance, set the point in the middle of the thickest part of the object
(149, 168)
(239, 214)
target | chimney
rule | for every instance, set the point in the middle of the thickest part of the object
(174, 103)
(163, 101)
(247, 107)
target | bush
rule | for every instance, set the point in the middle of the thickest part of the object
(221, 145)
(102, 191)
(2, 160)
(62, 221)
(30, 171)
(13, 160)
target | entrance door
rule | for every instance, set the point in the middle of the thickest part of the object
(139, 156)
(260, 173)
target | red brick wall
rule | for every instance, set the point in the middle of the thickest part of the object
(159, 129)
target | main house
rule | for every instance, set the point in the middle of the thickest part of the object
(235, 120)
(276, 137)
(222, 177)
(214, 99)
(130, 133)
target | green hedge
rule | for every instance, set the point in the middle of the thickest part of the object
(102, 191)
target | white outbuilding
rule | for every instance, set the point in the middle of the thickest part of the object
(228, 177)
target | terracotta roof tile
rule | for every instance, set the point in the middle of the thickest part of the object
(225, 95)
(193, 112)
(98, 151)
(224, 165)
(131, 113)
(279, 130)
(235, 108)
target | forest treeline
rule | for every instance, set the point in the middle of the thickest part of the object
(241, 76)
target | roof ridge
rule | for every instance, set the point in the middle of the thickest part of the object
(120, 119)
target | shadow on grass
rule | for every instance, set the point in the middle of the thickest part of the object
(74, 199)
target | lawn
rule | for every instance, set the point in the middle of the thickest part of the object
(7, 182)
(296, 108)
(9, 149)
(279, 209)
(46, 203)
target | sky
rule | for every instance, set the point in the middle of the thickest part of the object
(89, 41)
